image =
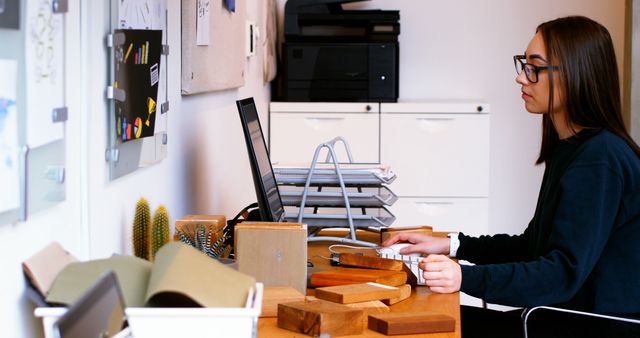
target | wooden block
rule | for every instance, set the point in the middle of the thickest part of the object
(343, 276)
(356, 293)
(395, 323)
(386, 233)
(348, 259)
(369, 308)
(274, 253)
(274, 295)
(405, 292)
(317, 317)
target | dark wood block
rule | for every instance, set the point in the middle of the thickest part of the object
(396, 323)
(371, 262)
(344, 276)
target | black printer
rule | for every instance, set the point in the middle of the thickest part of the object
(333, 54)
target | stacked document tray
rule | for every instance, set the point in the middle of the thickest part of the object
(332, 197)
(325, 203)
(371, 217)
(359, 174)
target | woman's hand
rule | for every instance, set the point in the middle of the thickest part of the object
(441, 273)
(422, 243)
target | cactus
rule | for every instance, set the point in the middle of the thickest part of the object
(141, 224)
(202, 241)
(160, 230)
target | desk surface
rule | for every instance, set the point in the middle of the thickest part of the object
(421, 300)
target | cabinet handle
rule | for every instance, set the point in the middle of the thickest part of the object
(325, 118)
(435, 203)
(435, 118)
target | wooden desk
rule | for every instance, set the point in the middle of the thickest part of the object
(421, 300)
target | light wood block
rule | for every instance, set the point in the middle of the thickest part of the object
(274, 253)
(356, 293)
(405, 292)
(343, 276)
(274, 295)
(317, 317)
(395, 323)
(348, 259)
(387, 233)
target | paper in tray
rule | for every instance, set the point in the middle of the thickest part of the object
(371, 217)
(332, 196)
(325, 173)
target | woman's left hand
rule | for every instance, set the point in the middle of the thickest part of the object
(441, 273)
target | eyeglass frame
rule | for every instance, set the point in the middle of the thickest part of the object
(536, 69)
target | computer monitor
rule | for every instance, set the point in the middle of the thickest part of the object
(98, 313)
(264, 180)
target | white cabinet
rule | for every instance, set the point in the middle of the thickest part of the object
(296, 129)
(468, 215)
(437, 154)
(439, 151)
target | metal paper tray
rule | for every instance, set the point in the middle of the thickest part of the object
(332, 196)
(320, 178)
(375, 217)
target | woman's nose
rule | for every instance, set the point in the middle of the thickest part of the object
(522, 78)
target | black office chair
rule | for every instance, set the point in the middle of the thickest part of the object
(526, 314)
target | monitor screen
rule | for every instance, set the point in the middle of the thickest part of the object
(269, 202)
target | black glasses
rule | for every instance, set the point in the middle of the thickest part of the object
(530, 71)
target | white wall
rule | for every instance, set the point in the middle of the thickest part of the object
(464, 49)
(206, 170)
(453, 49)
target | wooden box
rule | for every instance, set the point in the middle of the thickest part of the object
(274, 253)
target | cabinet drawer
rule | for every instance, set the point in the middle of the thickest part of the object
(437, 154)
(468, 215)
(295, 136)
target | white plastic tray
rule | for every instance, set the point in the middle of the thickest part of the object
(181, 322)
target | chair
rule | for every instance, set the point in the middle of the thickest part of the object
(526, 314)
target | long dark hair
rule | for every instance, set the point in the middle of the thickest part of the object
(588, 77)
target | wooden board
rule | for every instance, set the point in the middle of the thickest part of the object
(275, 254)
(395, 323)
(343, 276)
(348, 259)
(274, 295)
(405, 292)
(318, 316)
(356, 293)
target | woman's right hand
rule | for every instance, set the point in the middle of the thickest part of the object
(421, 243)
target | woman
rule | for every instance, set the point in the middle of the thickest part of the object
(581, 250)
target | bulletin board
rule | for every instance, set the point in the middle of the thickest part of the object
(214, 58)
(32, 107)
(138, 87)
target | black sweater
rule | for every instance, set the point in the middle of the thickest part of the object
(581, 250)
